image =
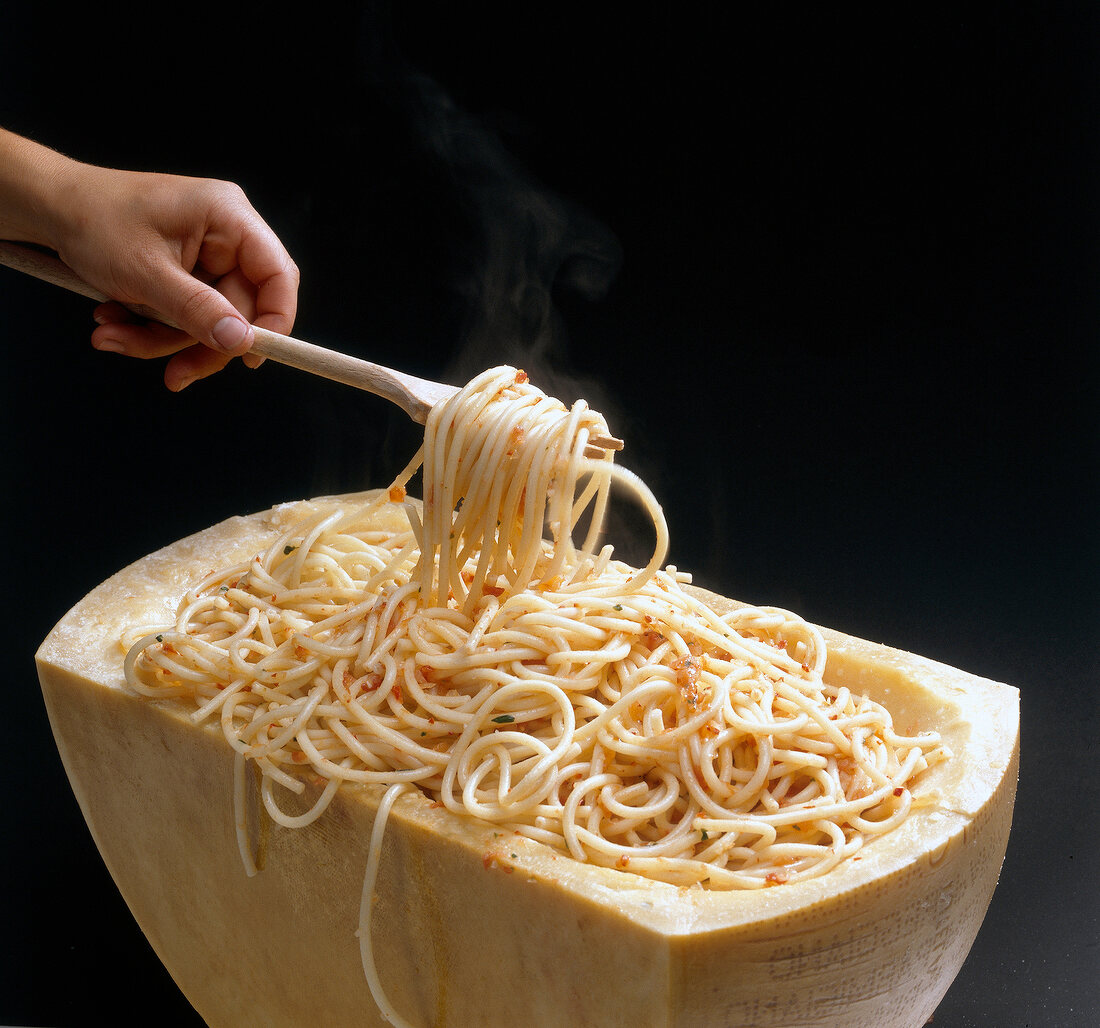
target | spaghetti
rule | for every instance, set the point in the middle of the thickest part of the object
(534, 683)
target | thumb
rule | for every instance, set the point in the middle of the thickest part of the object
(202, 312)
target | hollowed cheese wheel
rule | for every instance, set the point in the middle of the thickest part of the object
(472, 926)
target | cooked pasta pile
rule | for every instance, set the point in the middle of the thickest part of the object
(483, 657)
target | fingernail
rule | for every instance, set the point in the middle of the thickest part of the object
(108, 345)
(229, 334)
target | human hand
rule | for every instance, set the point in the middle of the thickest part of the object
(192, 249)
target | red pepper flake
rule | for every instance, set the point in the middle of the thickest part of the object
(521, 377)
(776, 878)
(687, 678)
(397, 493)
(898, 791)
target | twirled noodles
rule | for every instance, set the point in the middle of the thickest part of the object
(483, 657)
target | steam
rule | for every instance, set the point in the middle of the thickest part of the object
(526, 244)
(530, 245)
(527, 247)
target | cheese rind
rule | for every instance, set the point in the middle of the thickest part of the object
(474, 926)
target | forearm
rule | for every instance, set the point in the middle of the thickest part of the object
(32, 181)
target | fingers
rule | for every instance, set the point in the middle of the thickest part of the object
(121, 332)
(200, 255)
(274, 276)
(236, 288)
(191, 364)
(239, 241)
(200, 310)
(261, 288)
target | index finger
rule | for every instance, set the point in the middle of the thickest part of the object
(265, 262)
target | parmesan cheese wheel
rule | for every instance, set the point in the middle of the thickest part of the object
(472, 925)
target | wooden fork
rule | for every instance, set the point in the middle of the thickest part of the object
(415, 396)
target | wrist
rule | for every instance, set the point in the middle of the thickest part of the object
(37, 185)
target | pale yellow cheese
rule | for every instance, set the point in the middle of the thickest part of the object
(475, 927)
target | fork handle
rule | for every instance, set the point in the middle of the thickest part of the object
(415, 396)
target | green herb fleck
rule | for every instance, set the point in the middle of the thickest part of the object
(618, 606)
(288, 549)
(503, 719)
(705, 836)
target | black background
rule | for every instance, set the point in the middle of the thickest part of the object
(832, 276)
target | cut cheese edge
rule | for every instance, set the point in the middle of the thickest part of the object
(472, 925)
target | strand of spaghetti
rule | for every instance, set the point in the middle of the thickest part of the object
(426, 769)
(366, 902)
(207, 709)
(299, 820)
(240, 814)
(300, 710)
